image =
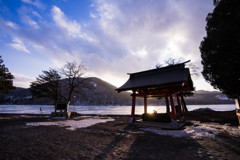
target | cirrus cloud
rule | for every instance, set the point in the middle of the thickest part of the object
(36, 3)
(72, 27)
(19, 45)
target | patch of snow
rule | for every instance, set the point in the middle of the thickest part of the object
(223, 97)
(233, 131)
(198, 131)
(173, 133)
(94, 84)
(72, 124)
(188, 132)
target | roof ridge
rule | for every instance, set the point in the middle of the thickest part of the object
(175, 66)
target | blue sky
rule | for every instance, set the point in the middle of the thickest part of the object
(111, 37)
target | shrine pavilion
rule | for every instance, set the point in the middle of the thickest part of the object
(170, 81)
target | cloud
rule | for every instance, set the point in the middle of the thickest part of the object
(21, 80)
(28, 16)
(11, 24)
(137, 36)
(30, 22)
(36, 3)
(92, 15)
(122, 36)
(19, 45)
(72, 27)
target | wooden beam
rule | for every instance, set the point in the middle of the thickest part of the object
(145, 104)
(133, 104)
(167, 104)
(180, 109)
(161, 92)
(173, 109)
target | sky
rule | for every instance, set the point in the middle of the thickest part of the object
(110, 37)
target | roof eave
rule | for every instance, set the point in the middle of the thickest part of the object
(149, 86)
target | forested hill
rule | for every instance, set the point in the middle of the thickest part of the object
(209, 97)
(103, 93)
(100, 93)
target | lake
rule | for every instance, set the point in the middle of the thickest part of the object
(120, 110)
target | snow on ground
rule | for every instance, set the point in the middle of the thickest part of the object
(73, 124)
(233, 131)
(198, 131)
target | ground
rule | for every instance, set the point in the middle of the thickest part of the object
(114, 139)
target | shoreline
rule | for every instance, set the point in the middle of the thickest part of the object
(202, 116)
(121, 110)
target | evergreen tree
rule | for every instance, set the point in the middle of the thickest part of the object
(47, 85)
(6, 78)
(220, 49)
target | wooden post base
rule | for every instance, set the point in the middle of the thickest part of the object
(182, 119)
(61, 114)
(238, 110)
(238, 115)
(131, 120)
(174, 124)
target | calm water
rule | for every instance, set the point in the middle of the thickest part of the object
(120, 110)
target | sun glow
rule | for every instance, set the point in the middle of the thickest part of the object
(151, 109)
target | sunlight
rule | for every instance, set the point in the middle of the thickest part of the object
(150, 109)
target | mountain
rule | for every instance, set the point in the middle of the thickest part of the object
(208, 97)
(17, 96)
(103, 93)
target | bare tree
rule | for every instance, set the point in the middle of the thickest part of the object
(194, 70)
(73, 73)
(171, 61)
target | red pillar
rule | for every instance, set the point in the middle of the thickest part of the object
(133, 104)
(179, 107)
(173, 108)
(145, 104)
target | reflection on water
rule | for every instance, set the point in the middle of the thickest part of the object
(121, 110)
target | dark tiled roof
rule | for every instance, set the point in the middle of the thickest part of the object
(173, 74)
